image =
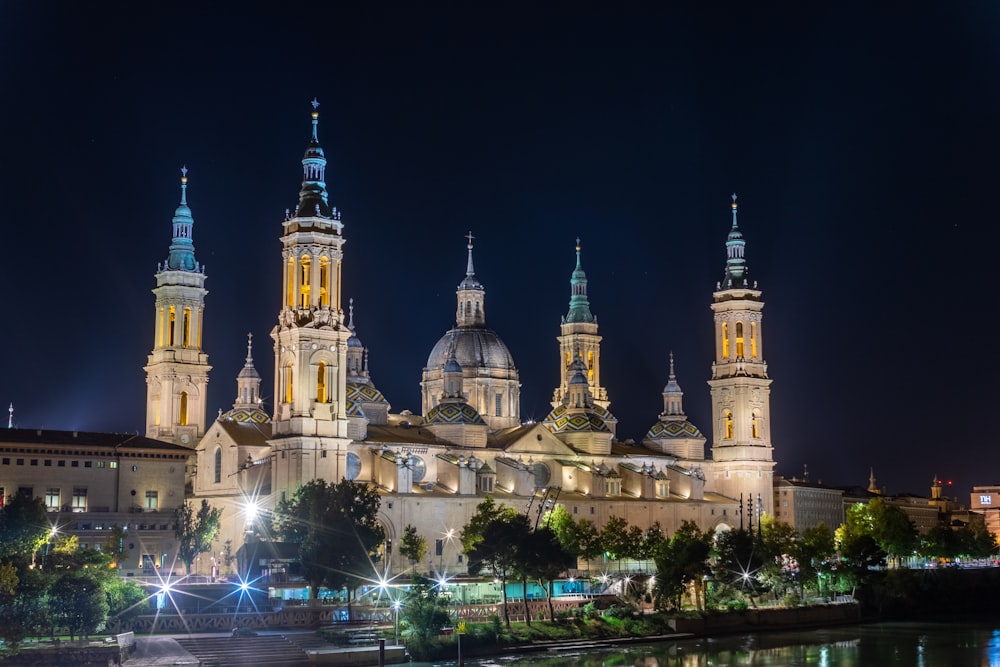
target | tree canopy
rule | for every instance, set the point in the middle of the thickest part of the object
(195, 531)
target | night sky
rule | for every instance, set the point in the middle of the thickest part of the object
(862, 144)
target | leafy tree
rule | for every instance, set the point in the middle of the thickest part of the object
(681, 561)
(653, 540)
(337, 529)
(125, 601)
(616, 539)
(543, 558)
(588, 539)
(78, 602)
(977, 540)
(738, 561)
(491, 541)
(815, 551)
(941, 542)
(412, 546)
(24, 528)
(195, 531)
(422, 611)
(779, 568)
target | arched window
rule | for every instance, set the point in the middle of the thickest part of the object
(753, 340)
(183, 417)
(218, 465)
(171, 320)
(468, 307)
(187, 327)
(590, 364)
(321, 396)
(725, 340)
(568, 360)
(305, 265)
(755, 425)
(739, 340)
(324, 282)
(290, 279)
(288, 383)
(728, 417)
(161, 321)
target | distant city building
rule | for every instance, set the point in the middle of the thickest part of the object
(985, 500)
(803, 504)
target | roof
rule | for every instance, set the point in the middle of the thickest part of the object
(116, 441)
(403, 435)
(247, 432)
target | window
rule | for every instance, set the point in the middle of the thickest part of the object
(34, 462)
(753, 340)
(438, 547)
(499, 405)
(6, 461)
(728, 417)
(183, 417)
(79, 499)
(170, 326)
(739, 340)
(187, 327)
(725, 340)
(321, 383)
(52, 500)
(74, 464)
(26, 491)
(290, 280)
(305, 265)
(288, 383)
(20, 462)
(88, 464)
(111, 464)
(218, 465)
(324, 281)
(755, 425)
(48, 463)
(152, 500)
(61, 464)
(591, 509)
(100, 464)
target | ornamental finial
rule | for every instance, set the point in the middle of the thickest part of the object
(315, 104)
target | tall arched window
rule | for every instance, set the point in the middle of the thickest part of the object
(753, 340)
(290, 279)
(305, 269)
(324, 282)
(171, 320)
(183, 417)
(728, 417)
(590, 364)
(725, 340)
(739, 339)
(321, 383)
(187, 327)
(162, 324)
(218, 465)
(288, 383)
(755, 424)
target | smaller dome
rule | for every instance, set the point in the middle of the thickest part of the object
(364, 392)
(667, 430)
(559, 421)
(354, 341)
(454, 413)
(244, 415)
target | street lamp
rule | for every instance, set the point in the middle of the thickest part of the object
(396, 604)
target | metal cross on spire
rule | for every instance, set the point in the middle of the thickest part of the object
(315, 103)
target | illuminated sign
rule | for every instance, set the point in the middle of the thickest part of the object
(985, 500)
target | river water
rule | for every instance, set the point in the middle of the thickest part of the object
(869, 645)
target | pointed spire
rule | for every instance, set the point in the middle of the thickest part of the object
(470, 281)
(313, 198)
(249, 360)
(579, 304)
(736, 271)
(350, 316)
(872, 486)
(672, 394)
(181, 253)
(10, 417)
(247, 382)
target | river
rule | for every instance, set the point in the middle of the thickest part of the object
(868, 645)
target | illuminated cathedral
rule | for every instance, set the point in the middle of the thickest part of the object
(330, 421)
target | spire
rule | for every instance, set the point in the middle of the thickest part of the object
(452, 375)
(313, 198)
(10, 417)
(350, 317)
(872, 486)
(672, 394)
(470, 281)
(471, 296)
(736, 271)
(248, 381)
(181, 254)
(579, 304)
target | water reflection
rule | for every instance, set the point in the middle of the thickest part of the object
(922, 644)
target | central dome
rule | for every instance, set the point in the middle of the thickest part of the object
(474, 348)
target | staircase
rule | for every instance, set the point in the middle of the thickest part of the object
(262, 651)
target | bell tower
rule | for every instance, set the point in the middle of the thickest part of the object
(310, 422)
(740, 386)
(177, 369)
(579, 339)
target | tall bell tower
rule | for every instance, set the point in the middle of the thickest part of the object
(310, 422)
(740, 387)
(177, 369)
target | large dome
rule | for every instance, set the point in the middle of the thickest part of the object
(474, 348)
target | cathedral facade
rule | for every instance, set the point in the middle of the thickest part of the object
(330, 421)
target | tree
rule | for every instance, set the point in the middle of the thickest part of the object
(491, 541)
(422, 611)
(412, 546)
(24, 528)
(977, 541)
(680, 562)
(738, 561)
(337, 529)
(616, 540)
(815, 551)
(195, 531)
(125, 600)
(78, 602)
(542, 557)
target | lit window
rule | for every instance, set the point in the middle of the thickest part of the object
(753, 340)
(305, 265)
(152, 500)
(324, 282)
(171, 320)
(321, 396)
(183, 417)
(79, 499)
(52, 500)
(739, 340)
(725, 340)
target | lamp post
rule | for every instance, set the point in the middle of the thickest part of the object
(395, 607)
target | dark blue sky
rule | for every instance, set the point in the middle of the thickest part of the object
(862, 143)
